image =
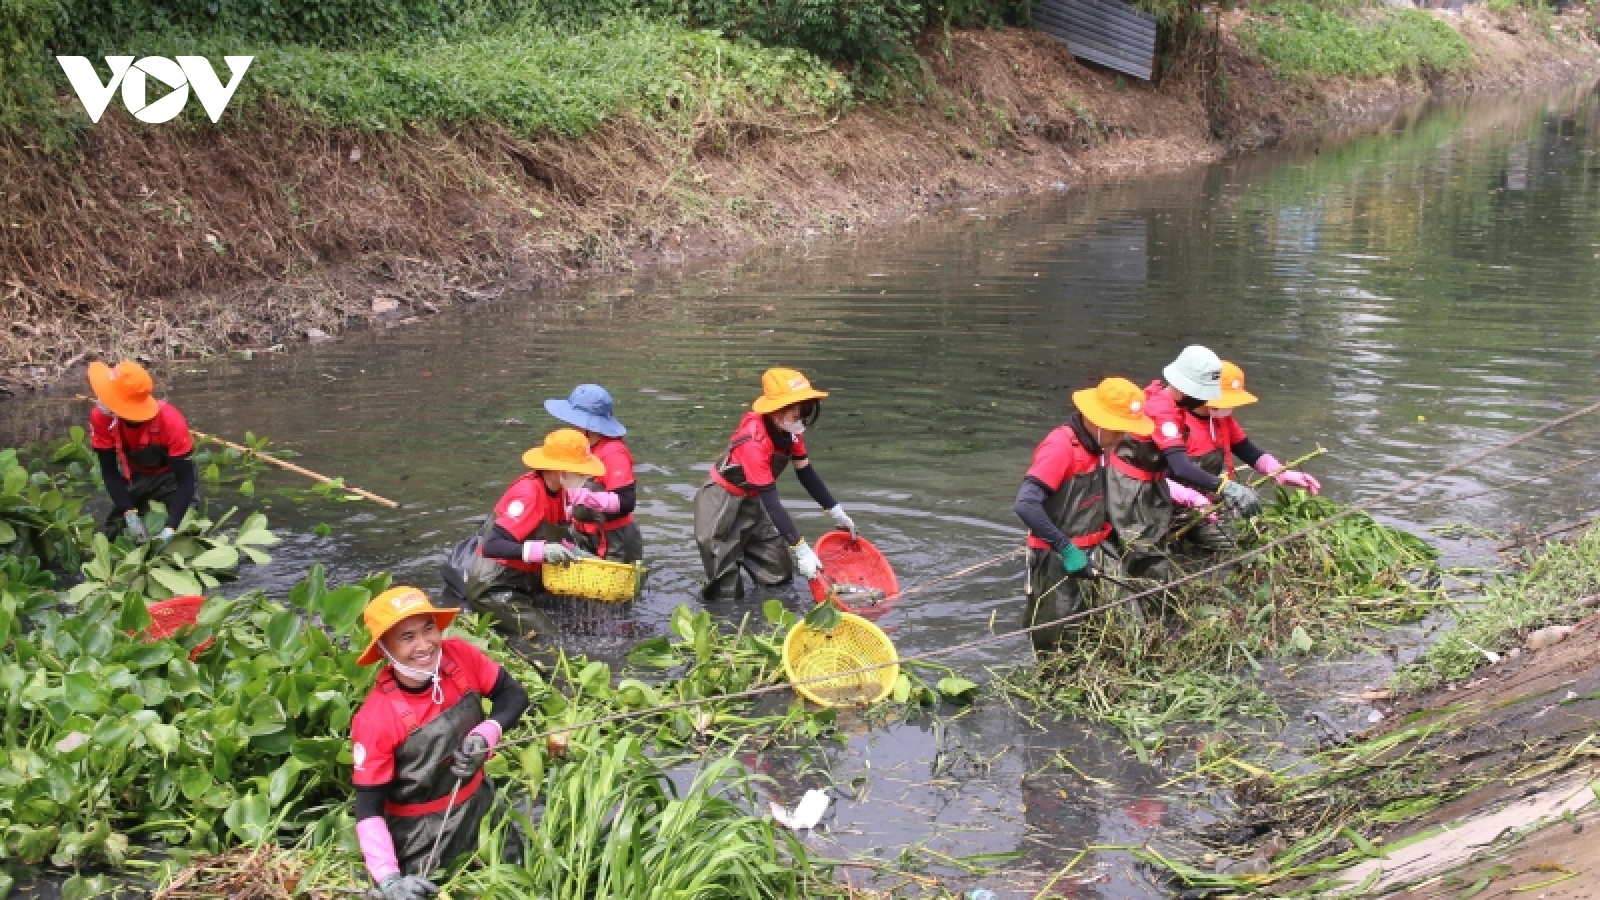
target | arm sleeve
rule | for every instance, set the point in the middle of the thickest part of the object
(183, 497)
(812, 482)
(1185, 470)
(507, 701)
(116, 485)
(1247, 452)
(501, 545)
(627, 499)
(1029, 507)
(369, 800)
(779, 515)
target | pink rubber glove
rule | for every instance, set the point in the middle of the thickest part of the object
(533, 551)
(1269, 465)
(1187, 496)
(377, 847)
(599, 501)
(489, 730)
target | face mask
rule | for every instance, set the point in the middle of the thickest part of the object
(795, 428)
(572, 481)
(1220, 413)
(420, 674)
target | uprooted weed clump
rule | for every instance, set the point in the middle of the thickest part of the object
(1191, 657)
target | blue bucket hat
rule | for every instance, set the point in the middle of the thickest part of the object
(589, 408)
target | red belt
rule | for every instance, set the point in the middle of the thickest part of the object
(608, 525)
(1083, 542)
(1129, 469)
(730, 487)
(412, 810)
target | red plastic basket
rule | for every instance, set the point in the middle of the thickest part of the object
(169, 617)
(856, 563)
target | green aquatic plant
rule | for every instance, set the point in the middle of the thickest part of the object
(199, 557)
(1194, 661)
(1304, 39)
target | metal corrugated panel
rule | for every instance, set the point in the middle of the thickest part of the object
(1108, 32)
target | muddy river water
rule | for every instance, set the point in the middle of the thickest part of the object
(1402, 296)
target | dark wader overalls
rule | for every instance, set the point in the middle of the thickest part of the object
(733, 530)
(143, 486)
(504, 592)
(1216, 535)
(1078, 508)
(414, 806)
(618, 539)
(1140, 506)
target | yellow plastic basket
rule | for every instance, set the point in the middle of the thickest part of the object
(595, 579)
(855, 643)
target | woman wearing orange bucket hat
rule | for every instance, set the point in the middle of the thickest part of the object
(1215, 439)
(1063, 502)
(144, 449)
(419, 734)
(528, 529)
(739, 521)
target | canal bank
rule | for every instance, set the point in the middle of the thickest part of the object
(256, 236)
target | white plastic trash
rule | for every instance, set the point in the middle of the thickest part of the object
(806, 815)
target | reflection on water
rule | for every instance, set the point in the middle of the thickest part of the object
(1401, 298)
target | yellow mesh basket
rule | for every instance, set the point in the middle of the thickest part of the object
(855, 643)
(595, 579)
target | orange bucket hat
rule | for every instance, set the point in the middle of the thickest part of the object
(1115, 404)
(392, 607)
(784, 387)
(565, 450)
(1233, 392)
(124, 390)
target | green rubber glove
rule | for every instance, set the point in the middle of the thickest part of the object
(1073, 559)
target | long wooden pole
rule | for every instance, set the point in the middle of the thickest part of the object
(298, 470)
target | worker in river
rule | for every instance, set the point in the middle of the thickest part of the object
(527, 531)
(739, 520)
(144, 448)
(1136, 486)
(420, 740)
(1063, 502)
(1215, 440)
(602, 510)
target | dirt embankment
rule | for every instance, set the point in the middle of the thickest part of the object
(165, 242)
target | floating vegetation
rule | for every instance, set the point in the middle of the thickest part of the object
(1194, 662)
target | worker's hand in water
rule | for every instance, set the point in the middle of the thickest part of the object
(806, 561)
(1074, 560)
(1242, 498)
(135, 526)
(473, 751)
(842, 520)
(406, 887)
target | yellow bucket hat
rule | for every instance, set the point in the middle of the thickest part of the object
(784, 387)
(1115, 404)
(392, 607)
(565, 450)
(1233, 392)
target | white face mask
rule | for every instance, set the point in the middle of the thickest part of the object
(420, 674)
(1220, 413)
(572, 480)
(795, 428)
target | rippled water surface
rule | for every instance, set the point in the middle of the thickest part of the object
(1402, 297)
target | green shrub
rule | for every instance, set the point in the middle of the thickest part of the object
(1301, 39)
(859, 31)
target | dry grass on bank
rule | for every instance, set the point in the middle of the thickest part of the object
(166, 242)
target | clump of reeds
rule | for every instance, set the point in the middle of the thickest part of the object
(1187, 659)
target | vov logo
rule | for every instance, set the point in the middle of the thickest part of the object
(187, 72)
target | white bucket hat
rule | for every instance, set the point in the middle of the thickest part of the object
(1197, 372)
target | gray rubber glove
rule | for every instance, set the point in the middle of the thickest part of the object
(842, 520)
(469, 758)
(135, 526)
(1242, 498)
(407, 887)
(806, 561)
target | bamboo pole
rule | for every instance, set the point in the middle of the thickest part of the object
(298, 470)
